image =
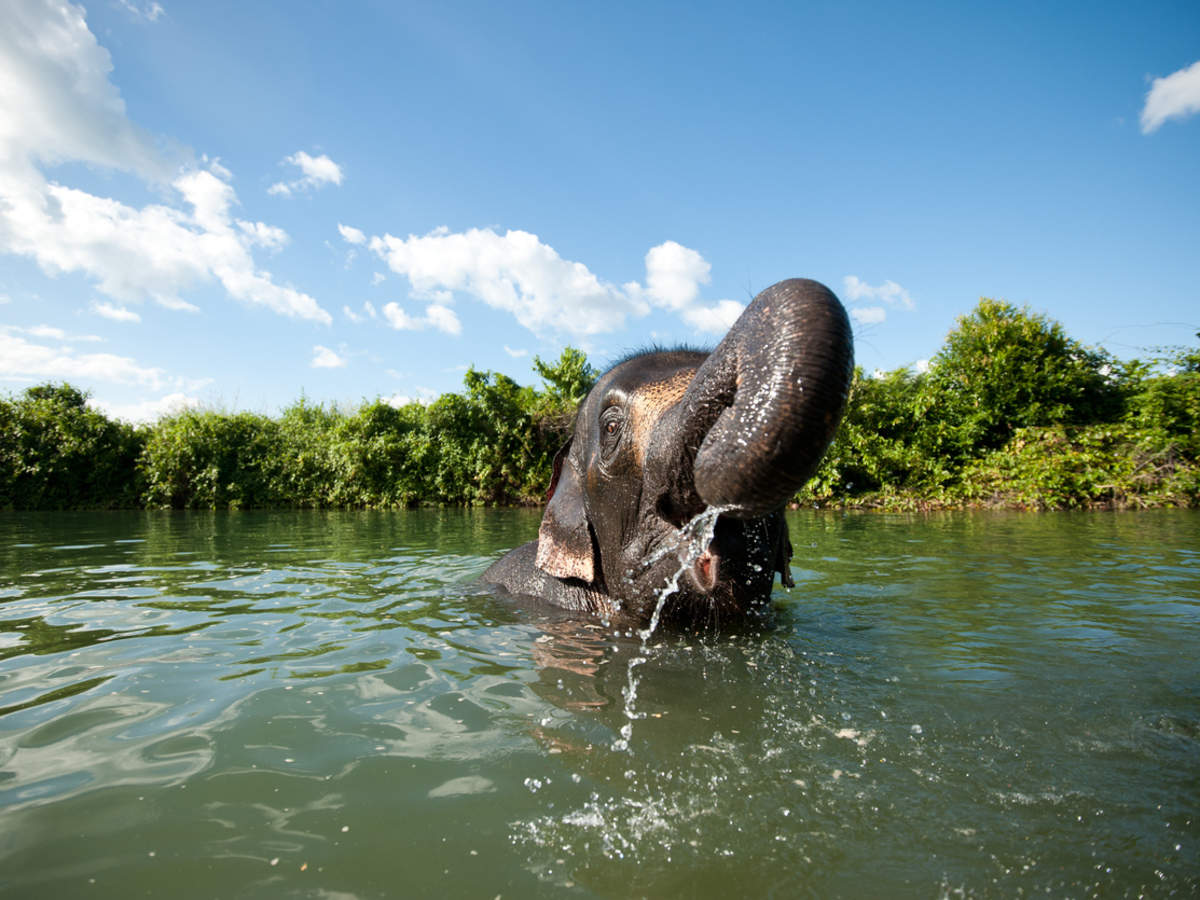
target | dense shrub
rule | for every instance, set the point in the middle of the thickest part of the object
(58, 453)
(1014, 412)
(1093, 465)
(1011, 412)
(1002, 369)
(213, 460)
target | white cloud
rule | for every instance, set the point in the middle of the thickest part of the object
(378, 278)
(147, 410)
(116, 313)
(264, 235)
(51, 333)
(59, 106)
(514, 272)
(922, 366)
(443, 318)
(674, 274)
(368, 312)
(1174, 97)
(22, 360)
(436, 316)
(715, 319)
(58, 102)
(46, 331)
(316, 172)
(889, 292)
(351, 235)
(155, 252)
(868, 315)
(324, 358)
(515, 354)
(424, 396)
(518, 273)
(149, 12)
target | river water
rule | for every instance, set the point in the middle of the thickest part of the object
(326, 705)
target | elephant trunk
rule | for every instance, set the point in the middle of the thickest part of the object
(763, 407)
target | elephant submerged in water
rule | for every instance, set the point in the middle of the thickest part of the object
(665, 434)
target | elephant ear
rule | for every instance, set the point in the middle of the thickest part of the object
(565, 536)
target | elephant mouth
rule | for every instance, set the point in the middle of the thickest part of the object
(706, 570)
(689, 556)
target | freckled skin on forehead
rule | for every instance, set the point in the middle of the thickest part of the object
(649, 402)
(646, 386)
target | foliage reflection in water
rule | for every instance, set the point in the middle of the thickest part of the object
(320, 704)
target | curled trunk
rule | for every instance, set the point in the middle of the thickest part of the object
(761, 410)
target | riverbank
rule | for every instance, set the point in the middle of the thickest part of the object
(1011, 413)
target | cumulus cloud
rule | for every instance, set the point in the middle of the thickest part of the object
(351, 235)
(424, 396)
(264, 235)
(889, 292)
(517, 273)
(60, 106)
(514, 272)
(315, 172)
(674, 274)
(116, 313)
(437, 316)
(324, 358)
(1174, 97)
(715, 319)
(515, 354)
(868, 315)
(23, 360)
(147, 411)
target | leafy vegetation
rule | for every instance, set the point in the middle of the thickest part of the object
(57, 453)
(1011, 412)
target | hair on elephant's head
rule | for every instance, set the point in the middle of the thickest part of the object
(666, 434)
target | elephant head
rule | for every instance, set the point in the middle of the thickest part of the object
(666, 434)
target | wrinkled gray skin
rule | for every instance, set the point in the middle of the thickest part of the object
(665, 434)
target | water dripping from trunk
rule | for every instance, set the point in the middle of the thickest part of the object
(694, 539)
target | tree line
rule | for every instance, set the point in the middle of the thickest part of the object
(1010, 412)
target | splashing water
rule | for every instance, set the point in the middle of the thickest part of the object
(693, 540)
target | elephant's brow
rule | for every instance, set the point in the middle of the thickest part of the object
(650, 401)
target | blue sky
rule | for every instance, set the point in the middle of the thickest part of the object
(232, 204)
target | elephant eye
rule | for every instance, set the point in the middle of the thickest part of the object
(611, 422)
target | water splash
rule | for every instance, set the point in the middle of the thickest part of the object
(692, 541)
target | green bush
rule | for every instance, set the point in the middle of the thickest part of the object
(1002, 369)
(1012, 412)
(58, 453)
(1060, 467)
(212, 460)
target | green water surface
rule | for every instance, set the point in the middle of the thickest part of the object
(326, 705)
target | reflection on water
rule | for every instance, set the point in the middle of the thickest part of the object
(320, 704)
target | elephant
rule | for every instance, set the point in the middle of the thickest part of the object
(664, 435)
